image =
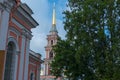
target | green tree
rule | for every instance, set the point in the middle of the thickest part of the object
(89, 53)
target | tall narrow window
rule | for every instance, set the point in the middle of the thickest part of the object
(51, 42)
(9, 65)
(51, 54)
(31, 76)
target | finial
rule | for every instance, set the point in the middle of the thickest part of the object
(54, 16)
(53, 28)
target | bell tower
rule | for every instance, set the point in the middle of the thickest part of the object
(51, 40)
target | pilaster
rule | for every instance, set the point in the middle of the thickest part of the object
(27, 60)
(5, 7)
(22, 56)
(4, 17)
(16, 64)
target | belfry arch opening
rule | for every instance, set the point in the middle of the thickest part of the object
(51, 55)
(10, 61)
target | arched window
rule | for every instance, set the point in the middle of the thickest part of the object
(31, 76)
(9, 65)
(51, 55)
(51, 42)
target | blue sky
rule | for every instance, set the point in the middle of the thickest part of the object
(43, 15)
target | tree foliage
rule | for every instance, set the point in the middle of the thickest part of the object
(89, 53)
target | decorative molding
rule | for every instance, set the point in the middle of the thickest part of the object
(14, 30)
(17, 23)
(8, 5)
(27, 34)
(27, 17)
(12, 39)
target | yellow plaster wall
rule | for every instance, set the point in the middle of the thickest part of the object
(2, 58)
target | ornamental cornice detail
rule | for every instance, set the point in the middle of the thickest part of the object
(26, 34)
(7, 5)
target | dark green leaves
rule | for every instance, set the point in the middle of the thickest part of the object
(88, 53)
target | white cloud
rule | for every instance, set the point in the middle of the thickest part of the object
(43, 15)
(39, 41)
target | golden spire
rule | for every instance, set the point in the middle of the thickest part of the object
(53, 28)
(54, 16)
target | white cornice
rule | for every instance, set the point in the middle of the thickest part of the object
(26, 8)
(26, 33)
(25, 11)
(35, 54)
(8, 4)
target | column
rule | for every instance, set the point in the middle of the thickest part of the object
(4, 17)
(47, 69)
(3, 29)
(16, 64)
(27, 60)
(38, 72)
(22, 57)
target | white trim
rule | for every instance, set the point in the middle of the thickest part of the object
(14, 30)
(44, 71)
(29, 17)
(15, 57)
(22, 59)
(12, 39)
(4, 29)
(32, 63)
(16, 62)
(27, 60)
(48, 54)
(47, 69)
(17, 23)
(1, 13)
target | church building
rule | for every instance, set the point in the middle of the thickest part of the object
(17, 61)
(51, 40)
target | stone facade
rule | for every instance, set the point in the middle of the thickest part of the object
(16, 23)
(34, 66)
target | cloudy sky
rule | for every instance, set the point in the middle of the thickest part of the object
(43, 15)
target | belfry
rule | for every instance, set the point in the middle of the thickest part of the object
(54, 15)
(53, 28)
(52, 40)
